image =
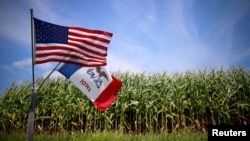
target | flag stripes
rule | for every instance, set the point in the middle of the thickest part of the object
(70, 61)
(77, 45)
(41, 48)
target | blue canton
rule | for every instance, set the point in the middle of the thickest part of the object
(50, 33)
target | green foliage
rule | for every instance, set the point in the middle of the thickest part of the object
(108, 136)
(147, 103)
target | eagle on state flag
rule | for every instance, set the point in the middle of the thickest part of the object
(95, 82)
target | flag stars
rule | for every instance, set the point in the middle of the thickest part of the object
(50, 33)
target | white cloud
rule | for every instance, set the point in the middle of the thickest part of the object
(128, 54)
(44, 9)
(53, 75)
(46, 71)
(138, 15)
(23, 63)
(15, 23)
(117, 63)
(179, 18)
(45, 66)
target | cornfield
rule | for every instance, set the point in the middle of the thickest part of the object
(146, 103)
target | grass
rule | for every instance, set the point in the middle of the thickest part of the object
(108, 136)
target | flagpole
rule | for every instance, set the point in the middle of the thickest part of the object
(32, 46)
(31, 114)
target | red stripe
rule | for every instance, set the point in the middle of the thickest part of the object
(88, 43)
(107, 97)
(70, 62)
(89, 36)
(88, 50)
(92, 31)
(102, 55)
(73, 56)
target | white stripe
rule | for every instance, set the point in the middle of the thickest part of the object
(67, 58)
(69, 46)
(66, 54)
(88, 46)
(91, 40)
(86, 33)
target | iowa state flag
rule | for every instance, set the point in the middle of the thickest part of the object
(95, 82)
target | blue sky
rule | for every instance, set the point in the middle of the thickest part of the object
(148, 35)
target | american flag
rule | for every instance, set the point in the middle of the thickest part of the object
(74, 45)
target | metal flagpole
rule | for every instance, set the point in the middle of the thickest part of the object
(31, 114)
